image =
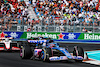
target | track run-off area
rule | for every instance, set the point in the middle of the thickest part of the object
(12, 59)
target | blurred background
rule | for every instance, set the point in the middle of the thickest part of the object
(50, 15)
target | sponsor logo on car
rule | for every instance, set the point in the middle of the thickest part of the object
(56, 58)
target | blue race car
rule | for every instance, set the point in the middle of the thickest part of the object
(50, 51)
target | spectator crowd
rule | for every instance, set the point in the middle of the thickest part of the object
(50, 12)
(68, 12)
(12, 12)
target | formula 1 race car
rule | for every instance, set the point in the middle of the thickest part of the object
(50, 51)
(6, 44)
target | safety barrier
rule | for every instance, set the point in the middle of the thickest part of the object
(57, 36)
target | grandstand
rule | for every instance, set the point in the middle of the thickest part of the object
(50, 15)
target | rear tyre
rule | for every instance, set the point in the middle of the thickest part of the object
(78, 51)
(25, 52)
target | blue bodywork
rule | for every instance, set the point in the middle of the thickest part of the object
(55, 46)
(64, 51)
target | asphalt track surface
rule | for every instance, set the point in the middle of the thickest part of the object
(12, 59)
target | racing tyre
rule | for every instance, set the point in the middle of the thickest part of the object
(45, 54)
(78, 51)
(25, 52)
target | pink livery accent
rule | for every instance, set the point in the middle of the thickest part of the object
(20, 54)
(37, 51)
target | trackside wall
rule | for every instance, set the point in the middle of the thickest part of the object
(57, 36)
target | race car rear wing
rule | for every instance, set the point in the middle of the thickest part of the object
(37, 41)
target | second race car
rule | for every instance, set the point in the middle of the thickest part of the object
(6, 44)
